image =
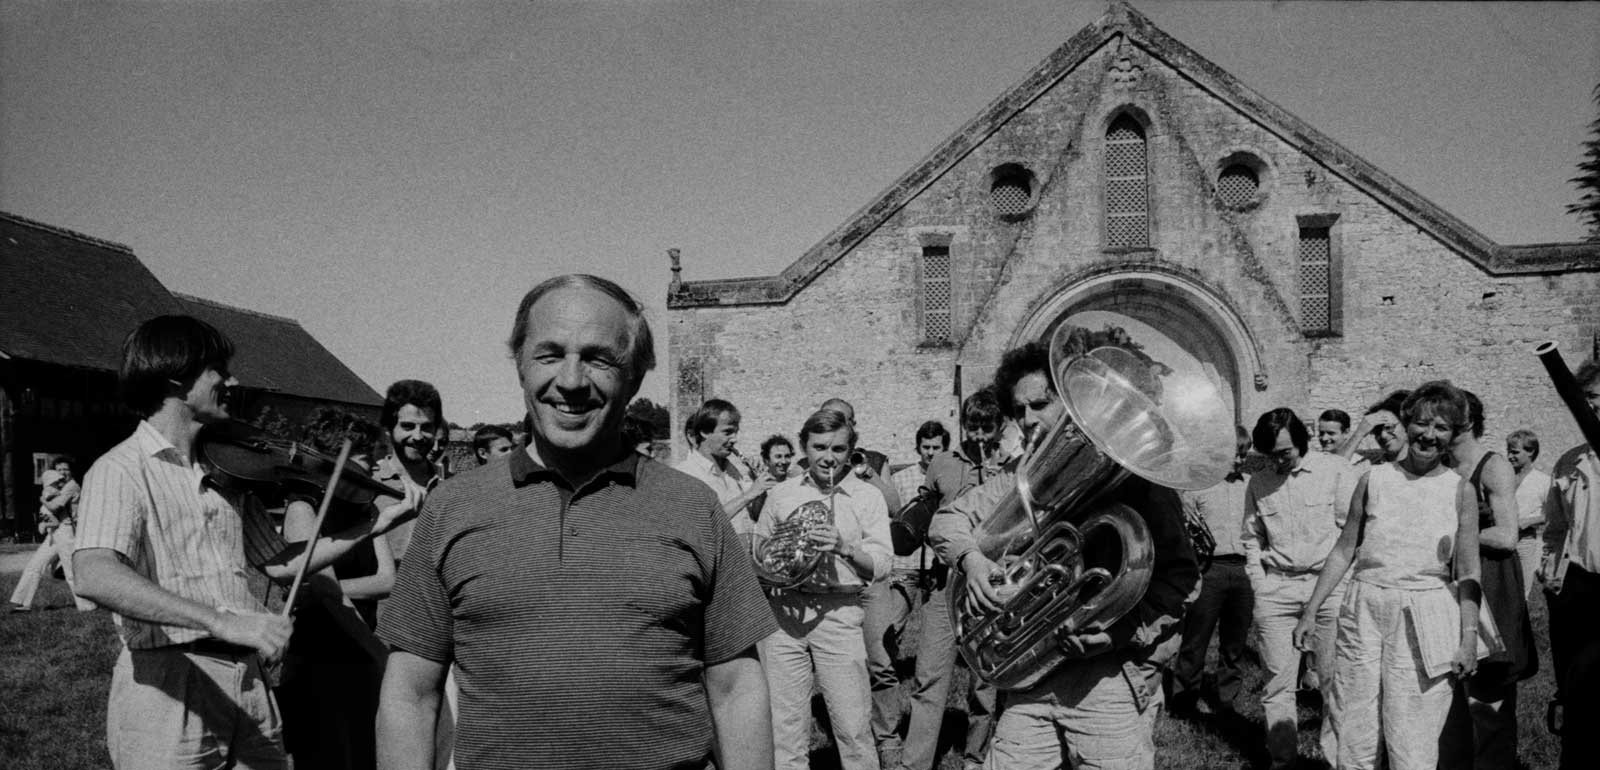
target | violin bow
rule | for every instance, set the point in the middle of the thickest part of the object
(316, 529)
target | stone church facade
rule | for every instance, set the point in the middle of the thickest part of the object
(1127, 180)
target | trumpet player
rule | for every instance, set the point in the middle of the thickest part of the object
(712, 432)
(819, 637)
(1097, 709)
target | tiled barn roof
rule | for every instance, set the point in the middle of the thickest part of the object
(277, 354)
(69, 299)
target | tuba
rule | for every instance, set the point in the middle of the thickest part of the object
(1071, 562)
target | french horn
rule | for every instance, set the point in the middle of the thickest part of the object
(1071, 562)
(787, 557)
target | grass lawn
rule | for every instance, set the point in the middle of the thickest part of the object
(55, 666)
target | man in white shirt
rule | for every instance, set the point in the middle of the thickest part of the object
(820, 634)
(712, 432)
(1292, 516)
(1536, 493)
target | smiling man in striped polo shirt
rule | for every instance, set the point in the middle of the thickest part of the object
(597, 605)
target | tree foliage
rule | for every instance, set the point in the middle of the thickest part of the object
(329, 426)
(1588, 180)
(659, 418)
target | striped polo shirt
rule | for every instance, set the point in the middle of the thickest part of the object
(146, 500)
(580, 621)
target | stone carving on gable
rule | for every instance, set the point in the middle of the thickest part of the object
(1127, 66)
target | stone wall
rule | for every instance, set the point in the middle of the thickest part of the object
(1413, 307)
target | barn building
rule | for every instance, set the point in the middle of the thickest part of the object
(67, 300)
(1127, 180)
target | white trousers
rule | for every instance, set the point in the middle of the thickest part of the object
(1280, 600)
(56, 546)
(1380, 686)
(819, 640)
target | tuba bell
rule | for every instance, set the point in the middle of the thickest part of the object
(1071, 562)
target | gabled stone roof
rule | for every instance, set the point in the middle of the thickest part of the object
(1121, 19)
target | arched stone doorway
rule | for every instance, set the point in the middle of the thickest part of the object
(1177, 319)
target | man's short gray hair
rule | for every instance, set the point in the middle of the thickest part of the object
(641, 342)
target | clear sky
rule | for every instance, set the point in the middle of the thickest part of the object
(396, 175)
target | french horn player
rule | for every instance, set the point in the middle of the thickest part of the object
(1084, 691)
(822, 538)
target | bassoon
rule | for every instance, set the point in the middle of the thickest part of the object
(1571, 393)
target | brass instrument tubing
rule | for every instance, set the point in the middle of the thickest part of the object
(1571, 393)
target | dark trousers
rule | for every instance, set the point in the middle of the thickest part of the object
(886, 606)
(1224, 605)
(1575, 651)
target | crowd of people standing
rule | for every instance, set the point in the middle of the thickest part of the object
(573, 602)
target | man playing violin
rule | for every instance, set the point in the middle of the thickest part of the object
(1098, 708)
(597, 606)
(166, 550)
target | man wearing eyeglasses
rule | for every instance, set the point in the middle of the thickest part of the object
(1293, 513)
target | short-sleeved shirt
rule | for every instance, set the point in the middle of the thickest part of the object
(1536, 492)
(580, 621)
(389, 471)
(728, 483)
(1221, 507)
(145, 500)
(859, 513)
(1292, 520)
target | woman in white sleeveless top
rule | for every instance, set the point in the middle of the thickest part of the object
(1403, 633)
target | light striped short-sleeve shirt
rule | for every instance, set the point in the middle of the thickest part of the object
(146, 500)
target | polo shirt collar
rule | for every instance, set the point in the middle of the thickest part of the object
(525, 470)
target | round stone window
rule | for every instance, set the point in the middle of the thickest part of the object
(1012, 191)
(1242, 181)
(1237, 186)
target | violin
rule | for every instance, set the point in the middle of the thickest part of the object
(241, 454)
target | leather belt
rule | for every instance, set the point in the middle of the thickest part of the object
(1228, 558)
